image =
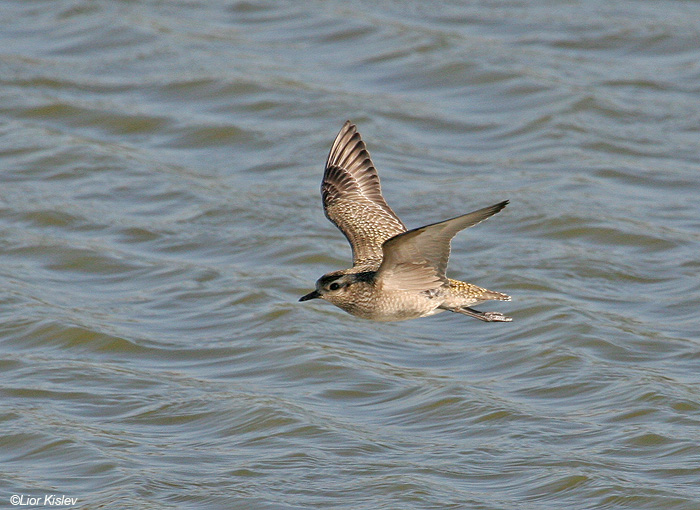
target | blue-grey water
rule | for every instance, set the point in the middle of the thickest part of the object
(160, 216)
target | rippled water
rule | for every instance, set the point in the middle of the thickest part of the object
(160, 216)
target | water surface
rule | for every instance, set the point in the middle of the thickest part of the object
(160, 216)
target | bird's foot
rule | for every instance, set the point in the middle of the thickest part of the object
(483, 316)
(496, 317)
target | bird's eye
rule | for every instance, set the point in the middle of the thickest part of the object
(334, 286)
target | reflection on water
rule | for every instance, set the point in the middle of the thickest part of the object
(160, 216)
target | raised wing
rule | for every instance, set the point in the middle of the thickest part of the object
(417, 259)
(352, 198)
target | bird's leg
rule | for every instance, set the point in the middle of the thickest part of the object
(482, 316)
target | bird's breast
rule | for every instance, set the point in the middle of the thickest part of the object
(383, 305)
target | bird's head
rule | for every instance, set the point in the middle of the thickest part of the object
(336, 286)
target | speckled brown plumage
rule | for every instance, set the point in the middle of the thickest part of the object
(396, 274)
(353, 201)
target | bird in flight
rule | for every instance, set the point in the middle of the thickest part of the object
(397, 274)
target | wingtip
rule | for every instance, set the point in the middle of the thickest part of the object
(500, 206)
(348, 129)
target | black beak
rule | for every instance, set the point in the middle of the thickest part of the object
(310, 295)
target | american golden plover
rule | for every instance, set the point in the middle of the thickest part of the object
(396, 274)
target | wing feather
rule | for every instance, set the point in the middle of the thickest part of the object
(352, 198)
(417, 259)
